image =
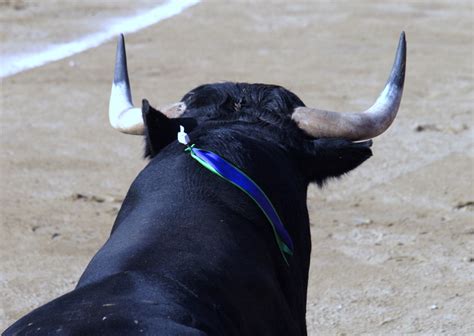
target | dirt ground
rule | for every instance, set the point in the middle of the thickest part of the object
(393, 242)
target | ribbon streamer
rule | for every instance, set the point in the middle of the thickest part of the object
(232, 174)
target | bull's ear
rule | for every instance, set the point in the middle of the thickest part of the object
(327, 158)
(161, 130)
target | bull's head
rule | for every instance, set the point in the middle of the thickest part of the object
(329, 141)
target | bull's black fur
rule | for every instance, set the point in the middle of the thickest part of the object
(261, 106)
(190, 254)
(265, 114)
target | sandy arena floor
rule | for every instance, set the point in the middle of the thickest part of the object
(393, 242)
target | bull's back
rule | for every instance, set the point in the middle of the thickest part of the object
(189, 254)
(127, 303)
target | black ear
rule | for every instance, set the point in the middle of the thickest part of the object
(327, 158)
(161, 130)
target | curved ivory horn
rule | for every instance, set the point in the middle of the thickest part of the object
(360, 125)
(123, 116)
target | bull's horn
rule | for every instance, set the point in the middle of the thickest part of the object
(362, 125)
(123, 116)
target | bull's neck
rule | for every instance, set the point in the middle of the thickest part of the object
(278, 175)
(262, 160)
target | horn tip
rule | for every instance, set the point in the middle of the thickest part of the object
(121, 39)
(120, 73)
(397, 76)
(120, 42)
(403, 43)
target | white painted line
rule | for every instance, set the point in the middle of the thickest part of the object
(11, 65)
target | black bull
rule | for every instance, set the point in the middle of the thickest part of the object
(189, 253)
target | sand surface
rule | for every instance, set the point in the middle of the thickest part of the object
(393, 242)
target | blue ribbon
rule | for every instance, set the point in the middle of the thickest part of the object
(232, 174)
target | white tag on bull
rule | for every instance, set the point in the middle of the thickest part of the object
(183, 136)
